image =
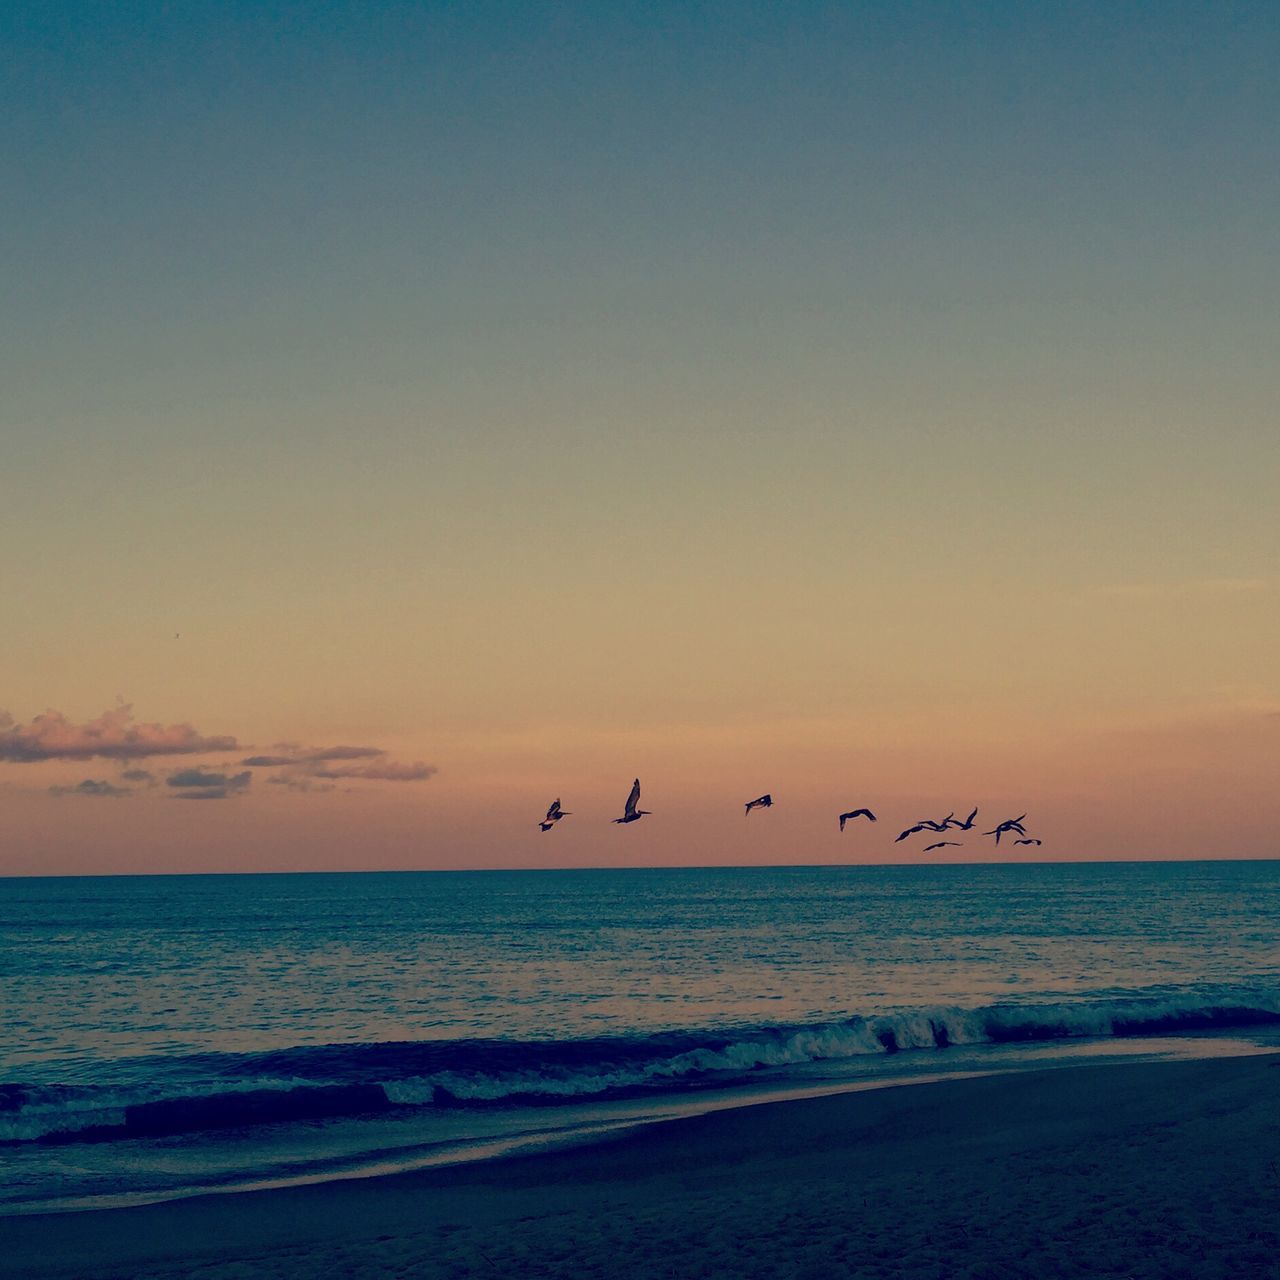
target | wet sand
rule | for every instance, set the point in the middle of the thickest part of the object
(1167, 1169)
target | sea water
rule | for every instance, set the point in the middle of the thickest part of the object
(169, 1034)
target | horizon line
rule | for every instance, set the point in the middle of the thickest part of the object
(747, 866)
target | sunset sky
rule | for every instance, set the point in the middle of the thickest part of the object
(464, 405)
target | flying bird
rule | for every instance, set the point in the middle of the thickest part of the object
(967, 824)
(554, 814)
(763, 802)
(631, 813)
(944, 844)
(856, 813)
(1009, 824)
(928, 824)
(1028, 842)
(910, 831)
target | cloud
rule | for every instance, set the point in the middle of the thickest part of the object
(292, 754)
(302, 763)
(202, 778)
(91, 787)
(300, 782)
(113, 735)
(200, 784)
(384, 771)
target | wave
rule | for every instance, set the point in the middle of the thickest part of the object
(232, 1091)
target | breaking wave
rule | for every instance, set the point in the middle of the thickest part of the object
(228, 1091)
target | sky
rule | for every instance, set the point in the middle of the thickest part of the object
(465, 405)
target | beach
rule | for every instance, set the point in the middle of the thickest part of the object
(1127, 1170)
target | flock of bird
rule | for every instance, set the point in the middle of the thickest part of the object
(633, 814)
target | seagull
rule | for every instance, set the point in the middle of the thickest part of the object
(1009, 824)
(944, 844)
(554, 814)
(856, 813)
(631, 813)
(764, 802)
(1028, 842)
(967, 824)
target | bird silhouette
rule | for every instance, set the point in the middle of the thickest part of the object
(631, 813)
(928, 824)
(1028, 842)
(856, 813)
(967, 824)
(944, 844)
(1009, 824)
(554, 814)
(763, 802)
(910, 831)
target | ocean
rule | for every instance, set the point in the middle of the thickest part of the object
(167, 1035)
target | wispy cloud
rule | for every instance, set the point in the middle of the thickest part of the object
(200, 784)
(383, 771)
(300, 782)
(292, 754)
(113, 736)
(299, 764)
(92, 787)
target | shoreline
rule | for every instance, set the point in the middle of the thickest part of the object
(1124, 1169)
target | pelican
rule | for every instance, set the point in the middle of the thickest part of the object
(944, 844)
(967, 824)
(631, 813)
(910, 831)
(1009, 824)
(929, 824)
(1028, 842)
(554, 814)
(763, 802)
(856, 813)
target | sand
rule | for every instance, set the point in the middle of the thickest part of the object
(1133, 1170)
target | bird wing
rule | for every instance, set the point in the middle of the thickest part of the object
(633, 799)
(554, 811)
(844, 817)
